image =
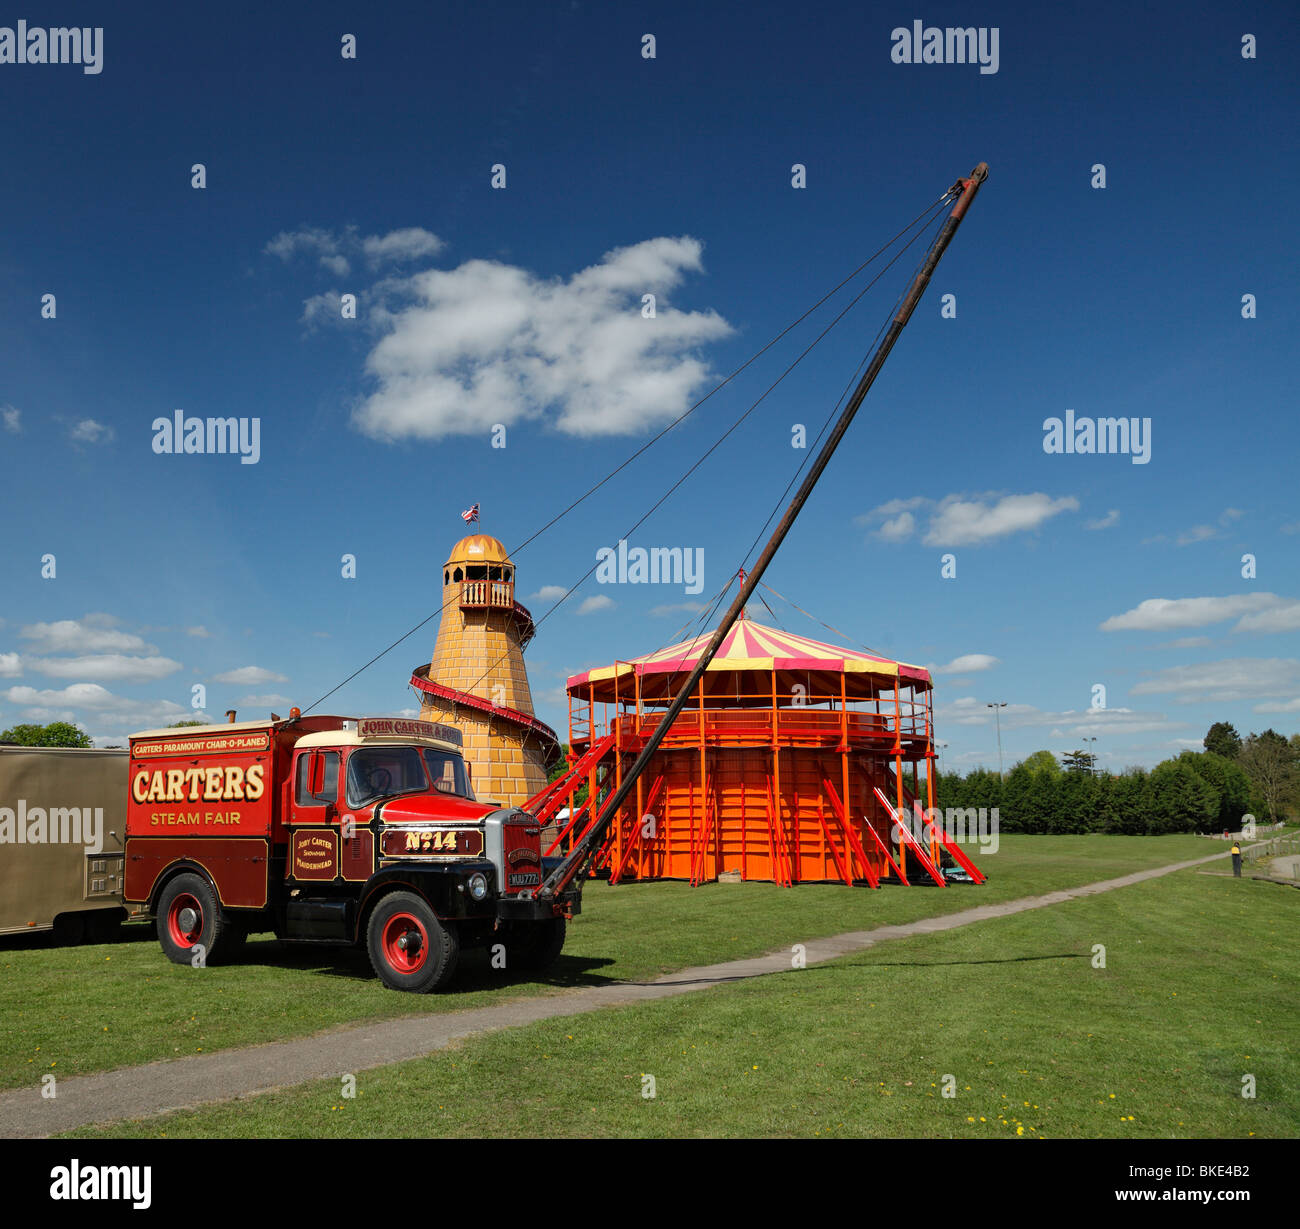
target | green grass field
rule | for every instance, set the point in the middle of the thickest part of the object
(75, 1010)
(1201, 987)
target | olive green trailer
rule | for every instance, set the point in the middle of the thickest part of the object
(62, 820)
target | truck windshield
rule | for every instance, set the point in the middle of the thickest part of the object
(380, 772)
(447, 772)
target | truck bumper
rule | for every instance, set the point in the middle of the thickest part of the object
(512, 909)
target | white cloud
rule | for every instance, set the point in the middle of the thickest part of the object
(88, 431)
(1238, 678)
(598, 602)
(323, 308)
(898, 528)
(968, 663)
(490, 343)
(1167, 614)
(549, 593)
(1187, 642)
(678, 608)
(107, 667)
(334, 250)
(1104, 522)
(55, 705)
(324, 245)
(408, 243)
(1072, 723)
(964, 522)
(1283, 618)
(94, 633)
(12, 418)
(960, 520)
(269, 701)
(200, 632)
(1197, 533)
(249, 676)
(10, 666)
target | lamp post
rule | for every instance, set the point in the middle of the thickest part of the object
(998, 717)
(941, 746)
(1092, 760)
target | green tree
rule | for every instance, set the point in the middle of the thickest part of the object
(983, 789)
(1178, 800)
(176, 725)
(1046, 802)
(1042, 761)
(1079, 761)
(1015, 814)
(1223, 739)
(56, 734)
(1129, 802)
(1105, 815)
(1270, 763)
(1227, 780)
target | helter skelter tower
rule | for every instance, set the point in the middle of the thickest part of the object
(477, 681)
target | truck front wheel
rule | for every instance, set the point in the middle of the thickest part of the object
(409, 948)
(190, 918)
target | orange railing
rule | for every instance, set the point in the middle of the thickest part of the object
(745, 719)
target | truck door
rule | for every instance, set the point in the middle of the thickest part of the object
(313, 817)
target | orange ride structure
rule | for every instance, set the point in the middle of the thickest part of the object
(477, 681)
(789, 764)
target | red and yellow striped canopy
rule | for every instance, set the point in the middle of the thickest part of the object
(751, 647)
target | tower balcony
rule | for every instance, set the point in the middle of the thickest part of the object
(490, 593)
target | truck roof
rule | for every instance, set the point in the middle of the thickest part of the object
(191, 731)
(325, 731)
(350, 738)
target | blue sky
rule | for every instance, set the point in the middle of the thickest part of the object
(672, 175)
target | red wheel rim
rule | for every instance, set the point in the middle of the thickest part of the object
(405, 943)
(182, 935)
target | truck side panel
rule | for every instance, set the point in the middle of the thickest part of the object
(237, 866)
(42, 879)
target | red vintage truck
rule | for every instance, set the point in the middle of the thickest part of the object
(334, 830)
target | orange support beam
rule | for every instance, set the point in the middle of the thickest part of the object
(850, 836)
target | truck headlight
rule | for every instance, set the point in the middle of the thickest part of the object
(478, 885)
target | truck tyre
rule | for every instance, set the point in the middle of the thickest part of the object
(409, 948)
(535, 946)
(190, 915)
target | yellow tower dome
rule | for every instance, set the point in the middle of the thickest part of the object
(478, 548)
(477, 681)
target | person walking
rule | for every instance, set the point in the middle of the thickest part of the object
(1236, 859)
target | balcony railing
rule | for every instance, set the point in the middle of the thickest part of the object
(499, 593)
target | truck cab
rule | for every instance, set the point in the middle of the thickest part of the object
(334, 830)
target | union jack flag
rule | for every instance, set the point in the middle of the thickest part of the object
(470, 515)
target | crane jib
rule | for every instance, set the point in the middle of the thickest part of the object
(964, 190)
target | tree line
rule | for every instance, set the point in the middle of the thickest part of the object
(1197, 791)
